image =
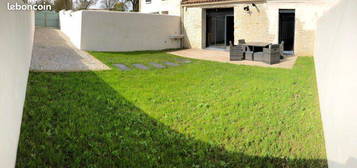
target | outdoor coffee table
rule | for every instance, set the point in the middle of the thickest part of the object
(254, 47)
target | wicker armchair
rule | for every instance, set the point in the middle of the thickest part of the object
(245, 48)
(236, 53)
(271, 55)
(259, 56)
(249, 55)
(282, 50)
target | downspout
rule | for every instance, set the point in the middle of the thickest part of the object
(182, 25)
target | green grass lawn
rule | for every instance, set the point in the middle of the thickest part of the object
(202, 114)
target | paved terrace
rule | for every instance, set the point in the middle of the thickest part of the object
(223, 56)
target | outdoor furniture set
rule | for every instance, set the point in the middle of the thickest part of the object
(256, 51)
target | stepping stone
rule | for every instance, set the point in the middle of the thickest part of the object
(140, 66)
(122, 67)
(185, 61)
(156, 65)
(171, 64)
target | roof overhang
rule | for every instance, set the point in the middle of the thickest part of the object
(220, 2)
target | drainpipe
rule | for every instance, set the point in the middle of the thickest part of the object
(182, 26)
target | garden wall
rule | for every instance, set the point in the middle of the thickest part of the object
(71, 25)
(120, 31)
(16, 32)
(335, 60)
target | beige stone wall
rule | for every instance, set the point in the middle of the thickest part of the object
(194, 27)
(252, 26)
(262, 24)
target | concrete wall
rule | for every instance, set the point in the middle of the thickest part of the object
(261, 24)
(71, 25)
(158, 6)
(16, 32)
(121, 31)
(335, 60)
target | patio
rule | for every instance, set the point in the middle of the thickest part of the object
(223, 56)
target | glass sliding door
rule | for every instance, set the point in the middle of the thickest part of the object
(211, 30)
(216, 31)
(220, 31)
(217, 27)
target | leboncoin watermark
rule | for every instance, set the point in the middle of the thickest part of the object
(28, 7)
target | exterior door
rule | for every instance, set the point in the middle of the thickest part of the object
(229, 29)
(287, 28)
(217, 30)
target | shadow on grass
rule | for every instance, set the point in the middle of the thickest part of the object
(77, 120)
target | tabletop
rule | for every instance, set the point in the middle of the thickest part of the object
(257, 44)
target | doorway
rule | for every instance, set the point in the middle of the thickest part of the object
(229, 29)
(220, 27)
(287, 28)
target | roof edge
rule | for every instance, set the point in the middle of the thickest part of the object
(187, 4)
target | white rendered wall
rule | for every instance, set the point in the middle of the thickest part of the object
(71, 25)
(121, 31)
(336, 67)
(16, 38)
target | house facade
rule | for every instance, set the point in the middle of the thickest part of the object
(168, 7)
(216, 23)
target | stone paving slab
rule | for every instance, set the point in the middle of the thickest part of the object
(140, 66)
(184, 61)
(122, 67)
(156, 65)
(171, 64)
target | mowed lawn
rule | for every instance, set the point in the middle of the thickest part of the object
(201, 114)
